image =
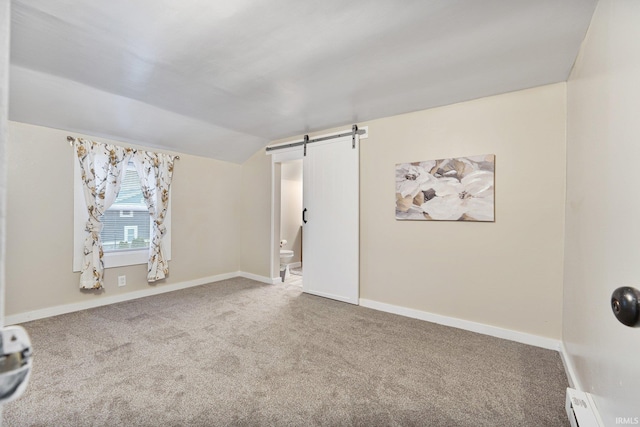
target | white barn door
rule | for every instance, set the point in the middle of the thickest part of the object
(331, 211)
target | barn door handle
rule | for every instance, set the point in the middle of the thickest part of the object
(304, 215)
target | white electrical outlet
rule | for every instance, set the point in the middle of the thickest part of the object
(122, 280)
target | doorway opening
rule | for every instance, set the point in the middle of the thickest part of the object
(290, 254)
(292, 163)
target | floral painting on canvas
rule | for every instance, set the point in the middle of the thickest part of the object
(459, 189)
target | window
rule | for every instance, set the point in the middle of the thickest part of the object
(126, 224)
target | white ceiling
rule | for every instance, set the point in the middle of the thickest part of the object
(223, 78)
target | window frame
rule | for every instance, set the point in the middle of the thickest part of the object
(118, 258)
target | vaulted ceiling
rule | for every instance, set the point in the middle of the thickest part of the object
(223, 78)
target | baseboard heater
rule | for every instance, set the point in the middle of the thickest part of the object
(581, 410)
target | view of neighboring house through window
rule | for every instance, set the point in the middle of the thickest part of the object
(126, 224)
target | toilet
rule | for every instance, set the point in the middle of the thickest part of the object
(285, 257)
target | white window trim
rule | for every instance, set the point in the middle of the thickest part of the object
(126, 214)
(115, 258)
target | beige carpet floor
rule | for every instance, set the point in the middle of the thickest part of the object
(246, 354)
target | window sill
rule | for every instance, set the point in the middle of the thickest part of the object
(124, 258)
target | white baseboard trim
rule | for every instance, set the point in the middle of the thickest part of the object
(295, 264)
(258, 278)
(152, 290)
(481, 328)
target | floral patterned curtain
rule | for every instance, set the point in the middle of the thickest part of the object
(155, 171)
(102, 167)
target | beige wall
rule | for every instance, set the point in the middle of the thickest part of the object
(602, 232)
(506, 274)
(291, 207)
(255, 216)
(205, 222)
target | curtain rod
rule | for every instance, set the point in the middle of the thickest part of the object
(71, 139)
(354, 131)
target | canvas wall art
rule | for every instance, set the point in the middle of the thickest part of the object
(458, 189)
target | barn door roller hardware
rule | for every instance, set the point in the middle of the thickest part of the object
(354, 131)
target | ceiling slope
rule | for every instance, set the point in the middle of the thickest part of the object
(222, 79)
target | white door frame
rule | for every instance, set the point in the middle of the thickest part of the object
(277, 157)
